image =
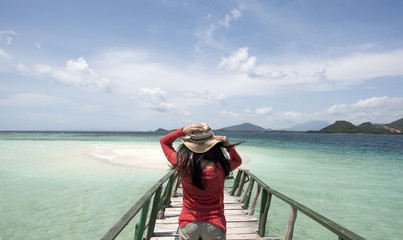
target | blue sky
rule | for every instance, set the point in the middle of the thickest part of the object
(141, 65)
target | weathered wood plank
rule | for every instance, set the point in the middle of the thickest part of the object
(249, 237)
(229, 237)
(227, 212)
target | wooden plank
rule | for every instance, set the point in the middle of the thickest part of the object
(236, 212)
(246, 218)
(241, 230)
(229, 237)
(241, 224)
(167, 227)
(248, 237)
(173, 212)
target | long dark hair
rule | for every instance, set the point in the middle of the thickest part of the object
(189, 162)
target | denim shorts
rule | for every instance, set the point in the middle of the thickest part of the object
(201, 230)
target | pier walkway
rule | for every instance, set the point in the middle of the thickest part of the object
(159, 211)
(240, 225)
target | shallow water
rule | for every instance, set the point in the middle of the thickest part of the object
(55, 186)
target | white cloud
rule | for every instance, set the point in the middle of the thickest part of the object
(31, 100)
(4, 54)
(233, 14)
(228, 114)
(380, 104)
(264, 111)
(375, 109)
(76, 73)
(131, 70)
(85, 108)
(201, 98)
(126, 55)
(206, 35)
(238, 61)
(366, 65)
(22, 69)
(311, 75)
(154, 98)
(6, 36)
(352, 69)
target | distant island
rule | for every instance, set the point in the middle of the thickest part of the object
(340, 126)
(395, 127)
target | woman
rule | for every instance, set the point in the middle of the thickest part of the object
(202, 166)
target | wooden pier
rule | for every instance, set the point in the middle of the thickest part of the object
(240, 224)
(160, 206)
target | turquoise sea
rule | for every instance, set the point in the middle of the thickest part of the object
(76, 185)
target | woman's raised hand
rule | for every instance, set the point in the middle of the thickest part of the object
(193, 128)
(223, 140)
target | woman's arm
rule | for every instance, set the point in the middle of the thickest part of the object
(166, 144)
(234, 159)
(167, 140)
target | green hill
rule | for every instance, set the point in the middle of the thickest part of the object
(368, 127)
(363, 128)
(396, 124)
(340, 127)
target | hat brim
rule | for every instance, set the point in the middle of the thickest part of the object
(199, 146)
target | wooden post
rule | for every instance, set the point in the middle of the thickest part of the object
(264, 209)
(169, 186)
(142, 222)
(236, 183)
(166, 198)
(154, 212)
(246, 190)
(252, 208)
(291, 222)
(248, 194)
(242, 182)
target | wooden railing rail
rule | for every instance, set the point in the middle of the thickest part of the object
(244, 176)
(158, 208)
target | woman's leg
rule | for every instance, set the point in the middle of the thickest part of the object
(190, 231)
(209, 231)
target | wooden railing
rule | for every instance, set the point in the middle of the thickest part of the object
(244, 176)
(160, 202)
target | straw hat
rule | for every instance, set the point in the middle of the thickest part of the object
(200, 142)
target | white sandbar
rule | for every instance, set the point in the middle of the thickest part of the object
(139, 156)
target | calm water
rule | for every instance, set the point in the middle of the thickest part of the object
(53, 186)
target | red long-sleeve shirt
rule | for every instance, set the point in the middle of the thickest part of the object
(202, 205)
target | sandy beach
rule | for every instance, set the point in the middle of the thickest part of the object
(139, 156)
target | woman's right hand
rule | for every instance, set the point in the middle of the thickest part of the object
(188, 130)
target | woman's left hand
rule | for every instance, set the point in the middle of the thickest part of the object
(223, 140)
